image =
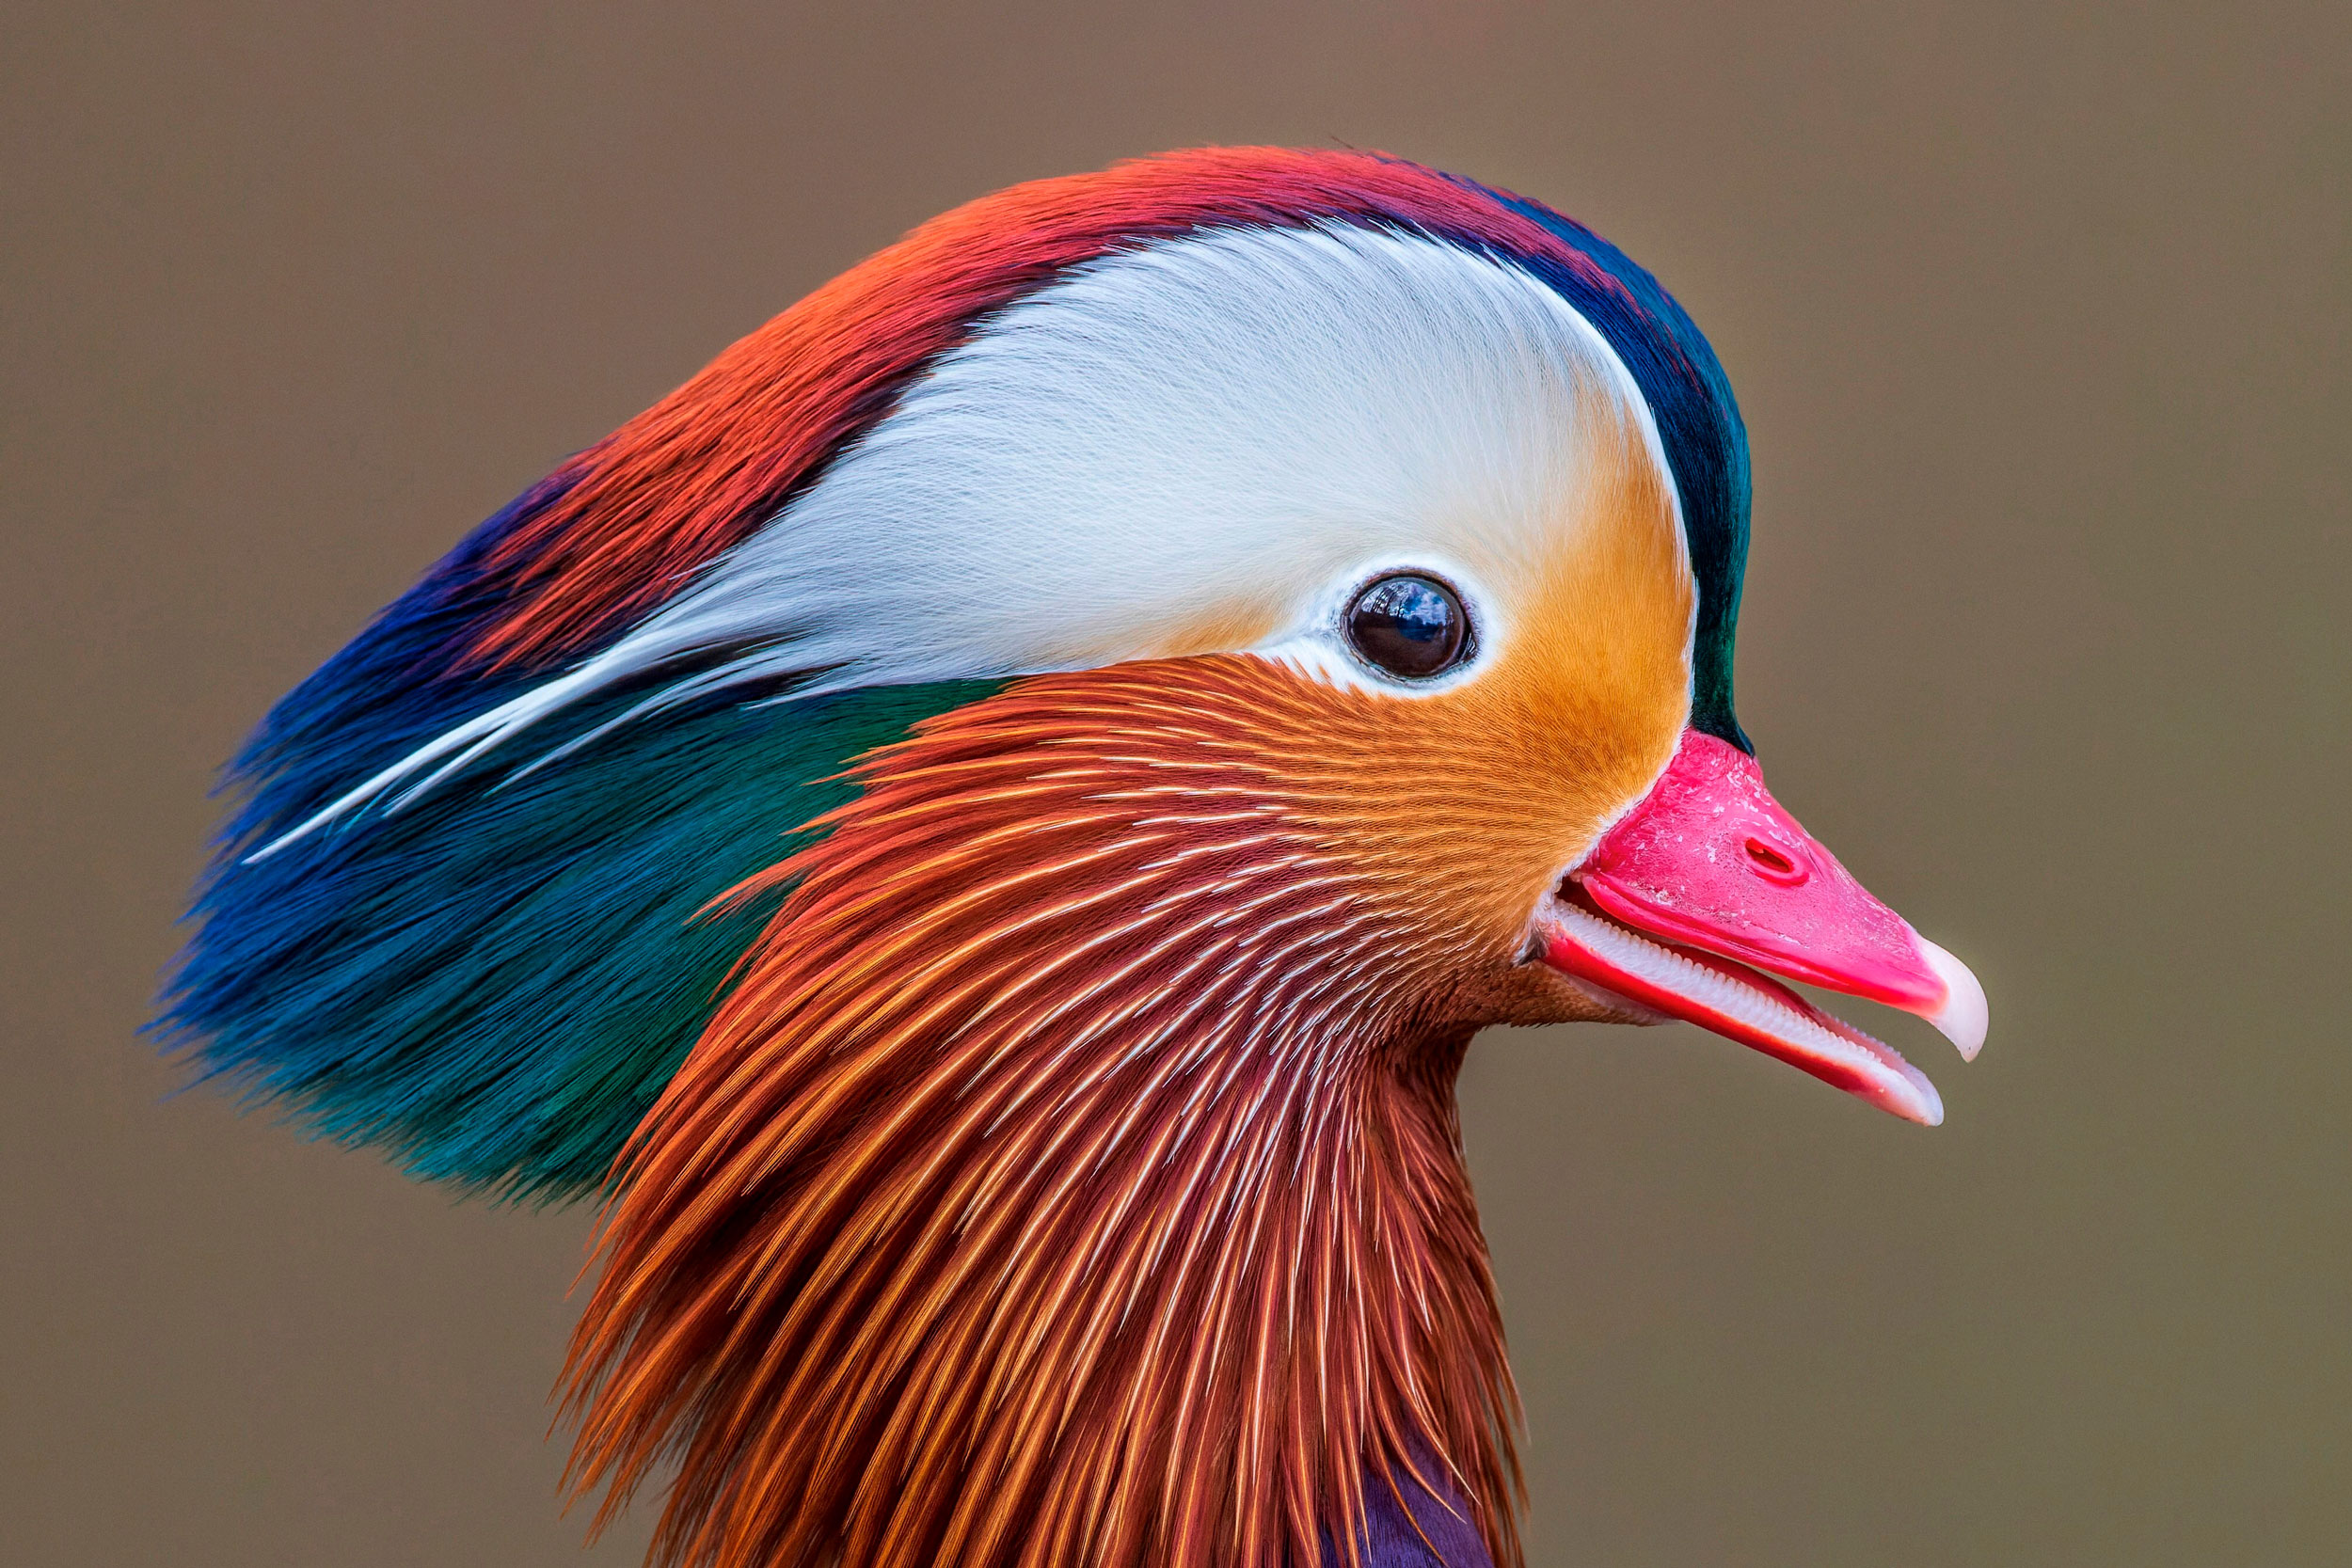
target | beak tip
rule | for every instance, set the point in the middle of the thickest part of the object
(1922, 1105)
(1964, 1015)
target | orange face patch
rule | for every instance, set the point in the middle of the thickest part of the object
(1465, 804)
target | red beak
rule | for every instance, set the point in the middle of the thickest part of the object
(1709, 876)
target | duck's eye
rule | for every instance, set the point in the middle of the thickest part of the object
(1409, 625)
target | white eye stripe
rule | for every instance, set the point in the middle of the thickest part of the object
(1242, 418)
(1235, 425)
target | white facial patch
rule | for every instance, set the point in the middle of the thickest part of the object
(1227, 429)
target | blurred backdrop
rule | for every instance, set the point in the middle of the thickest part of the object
(2039, 316)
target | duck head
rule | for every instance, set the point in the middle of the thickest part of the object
(1261, 617)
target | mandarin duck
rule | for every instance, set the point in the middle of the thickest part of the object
(982, 827)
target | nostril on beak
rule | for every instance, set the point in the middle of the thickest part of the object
(1776, 864)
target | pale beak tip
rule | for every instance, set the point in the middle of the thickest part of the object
(1922, 1105)
(1963, 1017)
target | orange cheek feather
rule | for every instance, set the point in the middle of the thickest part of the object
(1467, 805)
(1462, 808)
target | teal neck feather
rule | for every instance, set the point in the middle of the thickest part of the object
(495, 983)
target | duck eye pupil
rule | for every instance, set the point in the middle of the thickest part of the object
(1411, 627)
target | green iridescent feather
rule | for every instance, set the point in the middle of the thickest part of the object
(495, 983)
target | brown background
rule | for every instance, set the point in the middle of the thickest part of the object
(2040, 319)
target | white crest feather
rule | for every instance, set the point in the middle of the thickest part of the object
(1234, 424)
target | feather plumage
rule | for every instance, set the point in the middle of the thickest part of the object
(1073, 1176)
(1051, 1154)
(494, 985)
